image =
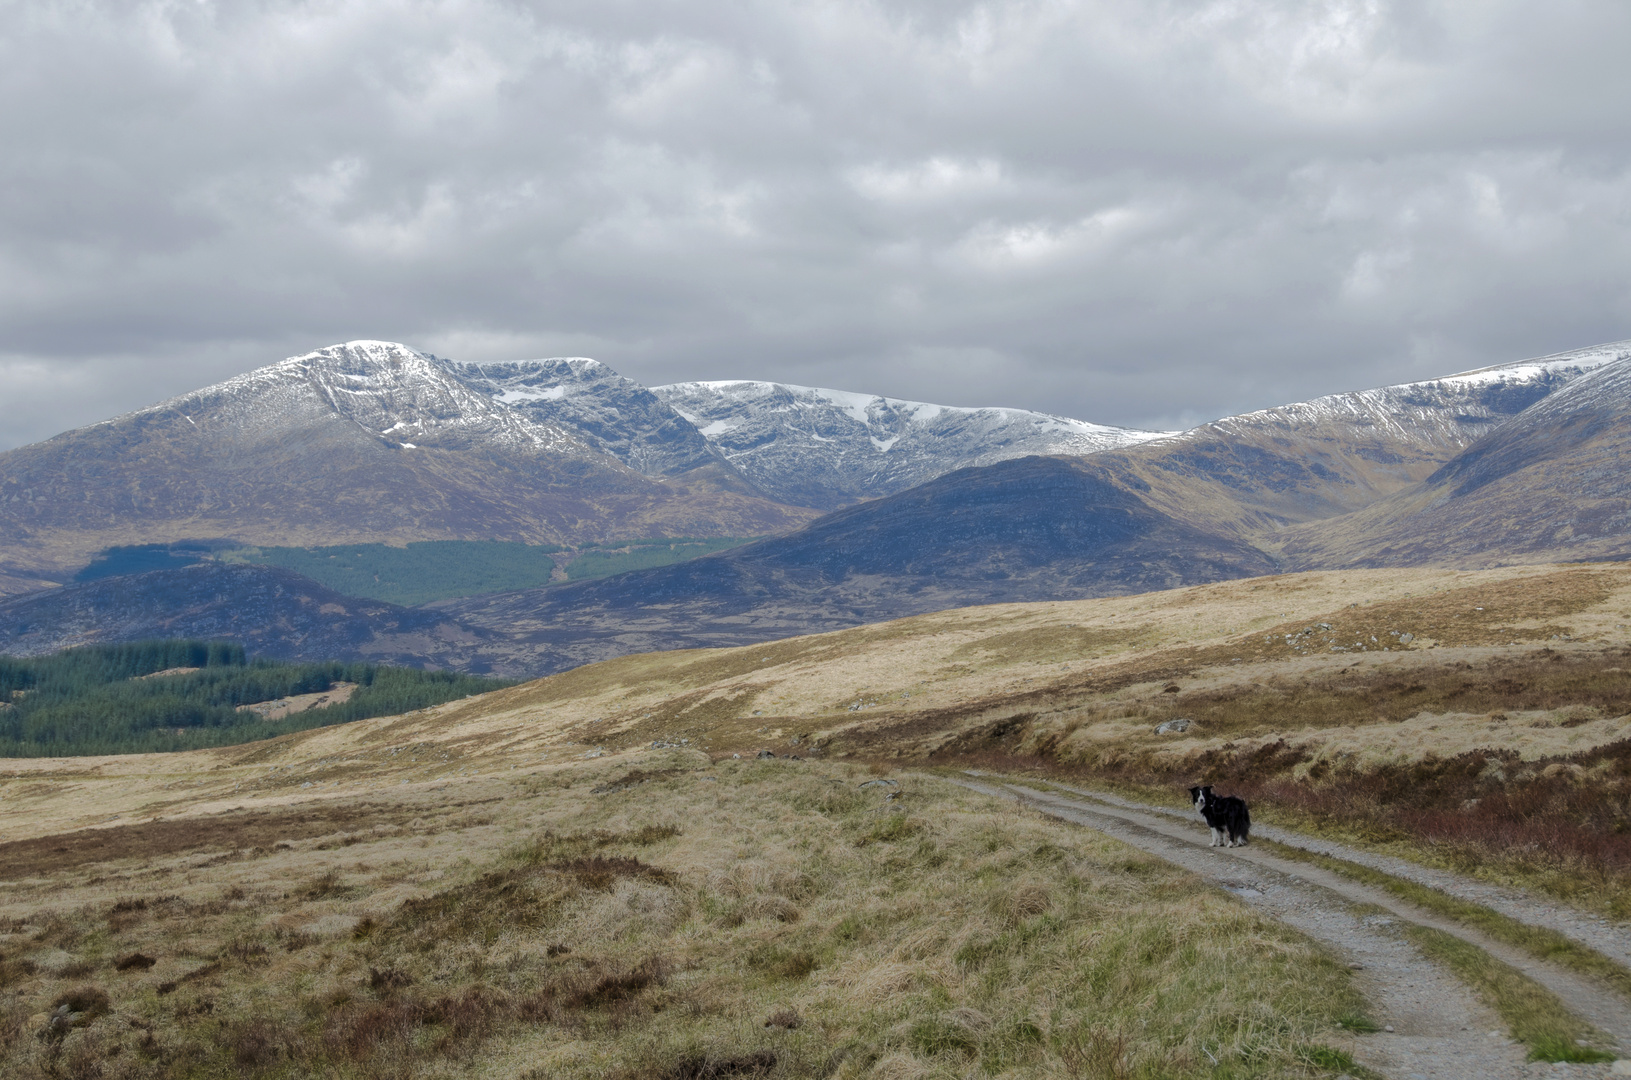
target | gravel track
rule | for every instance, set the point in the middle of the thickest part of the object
(1613, 940)
(1441, 1030)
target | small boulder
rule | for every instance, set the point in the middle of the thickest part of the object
(1173, 727)
(765, 754)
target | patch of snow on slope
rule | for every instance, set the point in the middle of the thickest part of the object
(531, 393)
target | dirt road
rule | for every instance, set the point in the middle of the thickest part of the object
(1439, 1028)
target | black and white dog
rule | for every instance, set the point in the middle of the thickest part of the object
(1226, 816)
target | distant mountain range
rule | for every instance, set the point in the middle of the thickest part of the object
(1519, 462)
(376, 442)
(1364, 478)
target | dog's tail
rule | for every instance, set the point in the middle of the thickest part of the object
(1245, 822)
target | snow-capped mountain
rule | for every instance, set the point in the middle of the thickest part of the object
(1549, 484)
(1258, 472)
(405, 398)
(1452, 411)
(827, 448)
(366, 441)
(604, 409)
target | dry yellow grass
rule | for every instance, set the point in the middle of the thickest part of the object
(312, 872)
(765, 918)
(904, 688)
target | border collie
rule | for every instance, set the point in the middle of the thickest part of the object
(1226, 816)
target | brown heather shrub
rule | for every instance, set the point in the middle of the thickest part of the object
(92, 1000)
(783, 1018)
(323, 886)
(247, 951)
(1095, 1054)
(387, 980)
(600, 872)
(618, 985)
(616, 993)
(707, 1067)
(134, 961)
(524, 898)
(16, 969)
(468, 1013)
(260, 1042)
(357, 1033)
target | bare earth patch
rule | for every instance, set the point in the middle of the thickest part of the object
(278, 708)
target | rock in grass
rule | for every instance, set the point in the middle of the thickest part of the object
(1173, 727)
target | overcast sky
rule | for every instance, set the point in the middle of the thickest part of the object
(1131, 212)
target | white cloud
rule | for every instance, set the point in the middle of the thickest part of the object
(1126, 211)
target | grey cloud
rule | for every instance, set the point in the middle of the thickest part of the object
(1127, 212)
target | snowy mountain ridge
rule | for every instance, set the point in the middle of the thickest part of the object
(822, 447)
(1452, 411)
(393, 392)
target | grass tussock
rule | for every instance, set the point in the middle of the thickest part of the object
(798, 925)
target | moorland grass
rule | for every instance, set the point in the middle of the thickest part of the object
(765, 918)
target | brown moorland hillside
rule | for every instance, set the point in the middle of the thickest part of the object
(1480, 717)
(597, 873)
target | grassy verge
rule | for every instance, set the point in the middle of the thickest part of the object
(1532, 1013)
(1541, 942)
(763, 918)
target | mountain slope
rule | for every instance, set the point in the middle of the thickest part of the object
(1549, 485)
(830, 448)
(272, 612)
(1033, 528)
(1253, 474)
(603, 409)
(368, 441)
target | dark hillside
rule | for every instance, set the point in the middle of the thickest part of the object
(274, 613)
(1032, 529)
